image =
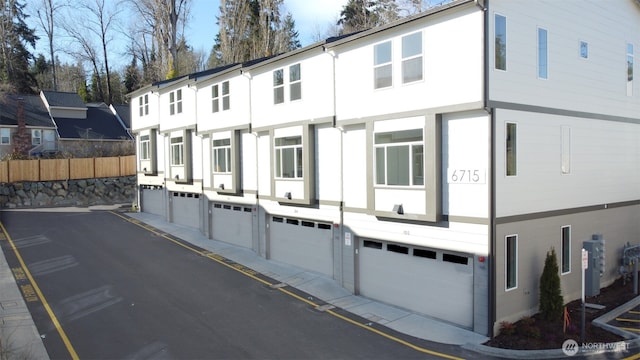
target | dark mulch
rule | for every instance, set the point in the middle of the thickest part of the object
(535, 333)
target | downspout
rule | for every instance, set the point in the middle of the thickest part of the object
(261, 252)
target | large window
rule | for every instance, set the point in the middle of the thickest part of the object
(500, 42)
(295, 83)
(382, 70)
(278, 86)
(566, 249)
(175, 102)
(177, 151)
(144, 147)
(5, 136)
(217, 97)
(222, 156)
(143, 104)
(543, 65)
(511, 262)
(36, 137)
(288, 157)
(399, 158)
(629, 69)
(511, 150)
(412, 57)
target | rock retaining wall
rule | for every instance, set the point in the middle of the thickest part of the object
(85, 192)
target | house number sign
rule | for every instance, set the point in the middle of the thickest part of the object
(466, 176)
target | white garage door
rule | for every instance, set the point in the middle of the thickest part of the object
(152, 200)
(303, 243)
(434, 283)
(185, 209)
(232, 224)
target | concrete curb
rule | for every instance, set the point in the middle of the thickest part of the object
(602, 321)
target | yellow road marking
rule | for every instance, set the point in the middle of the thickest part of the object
(628, 320)
(251, 273)
(634, 312)
(38, 292)
(633, 357)
(630, 329)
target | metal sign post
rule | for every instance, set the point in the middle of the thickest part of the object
(585, 266)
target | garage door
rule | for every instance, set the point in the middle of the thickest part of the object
(185, 209)
(303, 243)
(232, 224)
(152, 200)
(434, 283)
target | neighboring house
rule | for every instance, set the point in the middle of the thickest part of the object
(38, 124)
(429, 164)
(62, 122)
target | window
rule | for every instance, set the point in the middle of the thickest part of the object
(511, 262)
(500, 42)
(566, 249)
(5, 136)
(295, 84)
(566, 150)
(144, 147)
(399, 158)
(543, 65)
(629, 69)
(143, 102)
(584, 49)
(511, 150)
(177, 151)
(278, 86)
(382, 72)
(412, 58)
(215, 97)
(222, 156)
(36, 137)
(288, 157)
(175, 102)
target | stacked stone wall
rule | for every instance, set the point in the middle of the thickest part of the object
(85, 192)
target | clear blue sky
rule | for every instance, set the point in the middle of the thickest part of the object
(311, 16)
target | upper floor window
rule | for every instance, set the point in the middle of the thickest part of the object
(295, 83)
(143, 103)
(222, 156)
(216, 96)
(144, 147)
(288, 157)
(511, 149)
(629, 69)
(412, 57)
(543, 64)
(511, 262)
(5, 136)
(584, 49)
(399, 158)
(500, 42)
(382, 70)
(565, 244)
(177, 151)
(36, 137)
(278, 86)
(175, 102)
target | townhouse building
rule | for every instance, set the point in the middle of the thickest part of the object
(429, 164)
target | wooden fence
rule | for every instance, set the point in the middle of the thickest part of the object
(64, 169)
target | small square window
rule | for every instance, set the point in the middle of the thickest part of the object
(584, 49)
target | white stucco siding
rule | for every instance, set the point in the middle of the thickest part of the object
(596, 84)
(355, 166)
(179, 119)
(465, 164)
(604, 163)
(452, 51)
(316, 69)
(264, 164)
(146, 120)
(328, 163)
(238, 113)
(249, 162)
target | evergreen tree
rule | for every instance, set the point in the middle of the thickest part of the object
(83, 91)
(14, 56)
(132, 76)
(550, 294)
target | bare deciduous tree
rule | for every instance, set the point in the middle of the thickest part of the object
(46, 12)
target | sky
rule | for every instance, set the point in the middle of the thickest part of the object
(311, 17)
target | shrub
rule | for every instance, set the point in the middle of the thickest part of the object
(550, 294)
(507, 328)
